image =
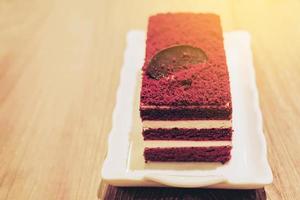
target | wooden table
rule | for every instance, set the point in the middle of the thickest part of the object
(59, 70)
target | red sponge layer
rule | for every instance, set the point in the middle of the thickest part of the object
(188, 154)
(219, 134)
(201, 81)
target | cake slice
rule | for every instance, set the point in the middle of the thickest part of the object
(185, 101)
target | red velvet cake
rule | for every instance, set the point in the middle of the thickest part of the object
(185, 101)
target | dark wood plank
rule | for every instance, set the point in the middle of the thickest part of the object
(180, 193)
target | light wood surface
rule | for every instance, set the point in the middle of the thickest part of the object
(59, 71)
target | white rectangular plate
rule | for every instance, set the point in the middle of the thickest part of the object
(124, 164)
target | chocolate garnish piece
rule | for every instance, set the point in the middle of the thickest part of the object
(174, 59)
(186, 82)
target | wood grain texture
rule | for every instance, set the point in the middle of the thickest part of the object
(59, 70)
(191, 194)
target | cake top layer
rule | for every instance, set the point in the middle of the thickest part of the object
(185, 62)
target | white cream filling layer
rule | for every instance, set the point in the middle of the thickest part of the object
(168, 144)
(187, 124)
